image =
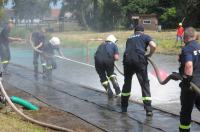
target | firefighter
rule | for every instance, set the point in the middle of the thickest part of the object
(4, 45)
(105, 57)
(190, 71)
(38, 39)
(48, 54)
(135, 62)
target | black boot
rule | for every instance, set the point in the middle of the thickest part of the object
(108, 89)
(148, 108)
(115, 85)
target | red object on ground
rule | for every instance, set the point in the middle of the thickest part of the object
(180, 31)
(163, 74)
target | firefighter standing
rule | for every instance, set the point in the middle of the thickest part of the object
(4, 45)
(49, 59)
(190, 71)
(105, 57)
(38, 39)
(135, 62)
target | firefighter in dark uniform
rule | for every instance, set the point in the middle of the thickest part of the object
(190, 71)
(49, 62)
(105, 57)
(38, 39)
(135, 62)
(4, 45)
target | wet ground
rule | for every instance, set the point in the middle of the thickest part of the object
(76, 90)
(92, 106)
(49, 114)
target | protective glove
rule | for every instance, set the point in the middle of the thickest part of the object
(186, 81)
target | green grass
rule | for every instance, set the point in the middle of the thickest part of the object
(12, 122)
(164, 40)
(78, 39)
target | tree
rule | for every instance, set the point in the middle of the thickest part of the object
(1, 9)
(30, 9)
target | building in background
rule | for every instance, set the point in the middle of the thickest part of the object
(149, 21)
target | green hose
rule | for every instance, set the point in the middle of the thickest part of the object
(24, 103)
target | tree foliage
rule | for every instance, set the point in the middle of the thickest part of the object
(30, 9)
(105, 15)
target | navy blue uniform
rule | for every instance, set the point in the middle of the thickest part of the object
(4, 46)
(37, 38)
(191, 52)
(135, 62)
(104, 60)
(49, 60)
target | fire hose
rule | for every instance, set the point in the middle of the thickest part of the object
(27, 117)
(174, 76)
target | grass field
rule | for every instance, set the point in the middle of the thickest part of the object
(13, 123)
(164, 40)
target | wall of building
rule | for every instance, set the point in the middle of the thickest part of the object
(150, 23)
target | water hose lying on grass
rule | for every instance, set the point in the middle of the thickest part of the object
(174, 76)
(23, 103)
(27, 117)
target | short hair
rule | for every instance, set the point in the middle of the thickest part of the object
(190, 32)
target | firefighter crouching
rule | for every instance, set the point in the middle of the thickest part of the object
(105, 57)
(135, 62)
(190, 71)
(49, 59)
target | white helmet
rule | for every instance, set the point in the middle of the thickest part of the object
(55, 41)
(111, 38)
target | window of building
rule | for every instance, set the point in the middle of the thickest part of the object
(146, 21)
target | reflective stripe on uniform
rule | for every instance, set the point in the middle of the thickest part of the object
(5, 62)
(44, 64)
(125, 94)
(185, 126)
(105, 83)
(112, 76)
(146, 98)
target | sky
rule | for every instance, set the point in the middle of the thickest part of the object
(11, 3)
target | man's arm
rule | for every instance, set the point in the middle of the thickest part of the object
(38, 46)
(188, 70)
(116, 57)
(60, 52)
(152, 46)
(14, 39)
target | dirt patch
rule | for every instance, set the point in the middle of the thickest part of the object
(51, 115)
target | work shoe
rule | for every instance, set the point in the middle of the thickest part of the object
(124, 109)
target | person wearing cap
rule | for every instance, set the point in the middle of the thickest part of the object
(48, 53)
(38, 38)
(4, 45)
(179, 34)
(135, 62)
(106, 55)
(190, 71)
